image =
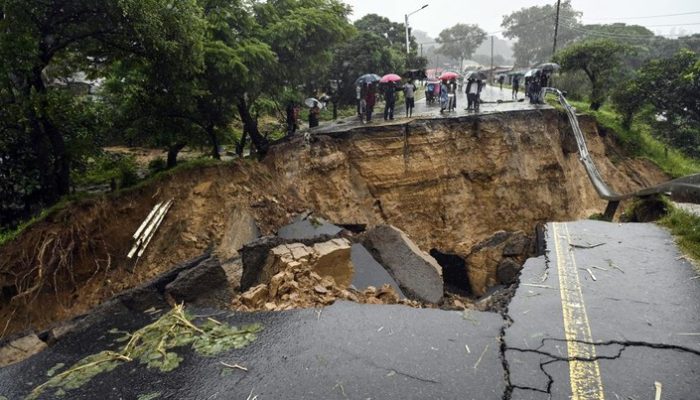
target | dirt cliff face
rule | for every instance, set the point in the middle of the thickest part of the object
(451, 183)
(448, 183)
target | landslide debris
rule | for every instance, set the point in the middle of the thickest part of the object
(302, 276)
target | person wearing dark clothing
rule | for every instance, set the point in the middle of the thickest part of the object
(313, 116)
(535, 88)
(500, 81)
(473, 91)
(516, 87)
(389, 100)
(452, 93)
(408, 92)
(292, 115)
(370, 100)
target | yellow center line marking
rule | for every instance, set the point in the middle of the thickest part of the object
(586, 383)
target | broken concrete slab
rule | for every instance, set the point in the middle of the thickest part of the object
(20, 349)
(368, 272)
(333, 259)
(485, 258)
(254, 257)
(417, 273)
(240, 230)
(204, 284)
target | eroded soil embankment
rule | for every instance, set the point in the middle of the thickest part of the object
(448, 183)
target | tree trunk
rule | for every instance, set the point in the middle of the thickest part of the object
(250, 126)
(172, 154)
(214, 142)
(44, 128)
(240, 146)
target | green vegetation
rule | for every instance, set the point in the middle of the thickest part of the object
(639, 141)
(599, 59)
(686, 228)
(152, 345)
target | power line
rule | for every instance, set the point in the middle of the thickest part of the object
(648, 16)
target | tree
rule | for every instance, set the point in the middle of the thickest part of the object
(533, 27)
(670, 87)
(460, 41)
(35, 36)
(599, 59)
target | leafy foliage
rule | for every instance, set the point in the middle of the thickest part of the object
(460, 41)
(533, 27)
(599, 59)
(670, 87)
(686, 228)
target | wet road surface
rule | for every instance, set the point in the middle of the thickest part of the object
(490, 96)
(609, 311)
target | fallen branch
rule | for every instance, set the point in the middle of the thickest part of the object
(234, 366)
(583, 246)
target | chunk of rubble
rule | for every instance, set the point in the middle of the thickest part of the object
(20, 349)
(417, 273)
(497, 260)
(298, 282)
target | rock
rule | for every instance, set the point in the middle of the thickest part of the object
(518, 244)
(485, 258)
(240, 230)
(320, 289)
(417, 273)
(20, 349)
(255, 296)
(507, 270)
(205, 284)
(333, 258)
(254, 256)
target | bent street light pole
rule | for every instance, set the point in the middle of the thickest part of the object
(406, 26)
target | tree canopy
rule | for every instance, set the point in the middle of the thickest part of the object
(533, 27)
(460, 41)
(599, 59)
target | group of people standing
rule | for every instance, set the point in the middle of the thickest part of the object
(534, 84)
(366, 96)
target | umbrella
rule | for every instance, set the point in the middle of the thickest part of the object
(390, 78)
(311, 101)
(531, 72)
(475, 75)
(549, 67)
(367, 78)
(448, 75)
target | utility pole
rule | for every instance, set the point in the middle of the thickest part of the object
(491, 74)
(556, 29)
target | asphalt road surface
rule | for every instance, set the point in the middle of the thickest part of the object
(611, 311)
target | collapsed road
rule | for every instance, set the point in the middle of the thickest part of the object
(615, 302)
(606, 311)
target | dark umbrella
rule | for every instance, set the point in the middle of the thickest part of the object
(367, 78)
(549, 67)
(475, 75)
(531, 72)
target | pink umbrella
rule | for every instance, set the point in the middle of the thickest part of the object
(446, 76)
(390, 78)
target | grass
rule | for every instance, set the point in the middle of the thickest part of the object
(686, 228)
(639, 141)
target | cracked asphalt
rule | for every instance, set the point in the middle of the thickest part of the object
(564, 335)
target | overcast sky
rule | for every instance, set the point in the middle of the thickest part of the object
(441, 14)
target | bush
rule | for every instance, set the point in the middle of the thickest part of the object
(156, 165)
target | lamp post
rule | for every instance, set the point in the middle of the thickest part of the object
(407, 15)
